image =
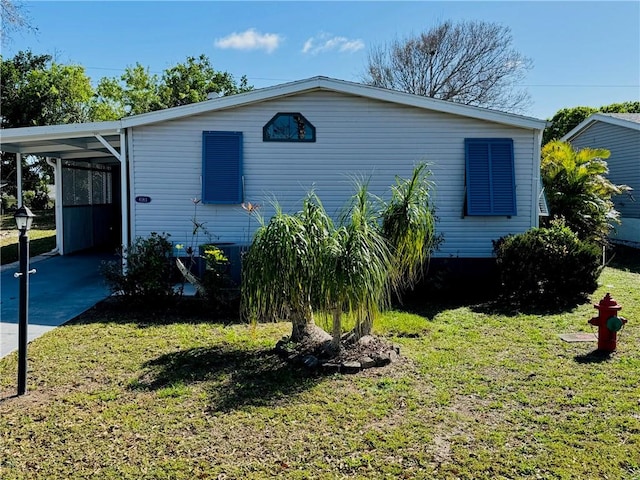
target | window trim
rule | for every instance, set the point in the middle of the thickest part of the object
(265, 137)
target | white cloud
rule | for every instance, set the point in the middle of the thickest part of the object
(250, 40)
(325, 43)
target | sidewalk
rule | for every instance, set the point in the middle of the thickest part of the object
(62, 288)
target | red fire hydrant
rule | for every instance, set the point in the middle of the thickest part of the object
(608, 322)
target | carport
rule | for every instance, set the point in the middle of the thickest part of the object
(90, 165)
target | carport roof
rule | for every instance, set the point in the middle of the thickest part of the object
(74, 141)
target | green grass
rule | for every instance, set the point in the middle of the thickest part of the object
(42, 236)
(152, 395)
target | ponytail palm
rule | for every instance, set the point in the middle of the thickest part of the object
(301, 263)
(280, 270)
(408, 224)
(357, 269)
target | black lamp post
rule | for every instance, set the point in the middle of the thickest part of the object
(24, 218)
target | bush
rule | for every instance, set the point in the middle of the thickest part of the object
(218, 285)
(9, 202)
(149, 270)
(547, 264)
(36, 199)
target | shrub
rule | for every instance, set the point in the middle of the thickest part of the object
(550, 264)
(220, 290)
(9, 202)
(36, 199)
(149, 270)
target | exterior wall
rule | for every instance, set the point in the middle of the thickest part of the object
(624, 162)
(627, 233)
(356, 138)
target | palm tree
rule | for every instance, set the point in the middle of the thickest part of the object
(302, 263)
(409, 224)
(578, 190)
(408, 228)
(281, 269)
(357, 265)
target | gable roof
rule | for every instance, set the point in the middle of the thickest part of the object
(339, 86)
(81, 139)
(627, 120)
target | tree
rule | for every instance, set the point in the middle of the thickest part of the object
(409, 225)
(17, 109)
(138, 91)
(566, 119)
(357, 268)
(281, 270)
(471, 62)
(35, 91)
(408, 228)
(577, 189)
(135, 92)
(300, 264)
(14, 17)
(194, 80)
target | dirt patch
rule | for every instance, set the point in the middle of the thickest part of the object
(352, 357)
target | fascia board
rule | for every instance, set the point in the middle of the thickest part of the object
(222, 103)
(587, 122)
(55, 132)
(340, 86)
(435, 104)
(270, 93)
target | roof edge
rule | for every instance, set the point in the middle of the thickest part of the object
(340, 86)
(52, 132)
(599, 117)
(269, 93)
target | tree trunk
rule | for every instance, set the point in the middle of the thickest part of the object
(362, 328)
(337, 329)
(304, 328)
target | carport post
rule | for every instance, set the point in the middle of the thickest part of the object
(124, 187)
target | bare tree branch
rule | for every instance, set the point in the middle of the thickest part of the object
(14, 17)
(469, 62)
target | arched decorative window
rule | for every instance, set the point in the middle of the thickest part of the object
(289, 127)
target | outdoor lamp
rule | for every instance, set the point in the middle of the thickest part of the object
(24, 218)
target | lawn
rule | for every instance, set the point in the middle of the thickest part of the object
(478, 394)
(42, 236)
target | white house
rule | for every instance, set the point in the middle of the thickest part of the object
(620, 134)
(128, 178)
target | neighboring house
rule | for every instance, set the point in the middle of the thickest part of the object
(131, 177)
(620, 134)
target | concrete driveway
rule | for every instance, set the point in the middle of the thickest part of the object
(62, 289)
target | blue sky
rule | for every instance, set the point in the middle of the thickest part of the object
(584, 53)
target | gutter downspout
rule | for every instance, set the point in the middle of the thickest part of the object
(57, 181)
(19, 179)
(124, 195)
(535, 187)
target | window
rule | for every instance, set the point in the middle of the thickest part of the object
(289, 127)
(84, 183)
(490, 176)
(222, 167)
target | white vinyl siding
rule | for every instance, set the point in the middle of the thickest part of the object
(356, 138)
(624, 162)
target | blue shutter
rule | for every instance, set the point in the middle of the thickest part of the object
(490, 176)
(222, 167)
